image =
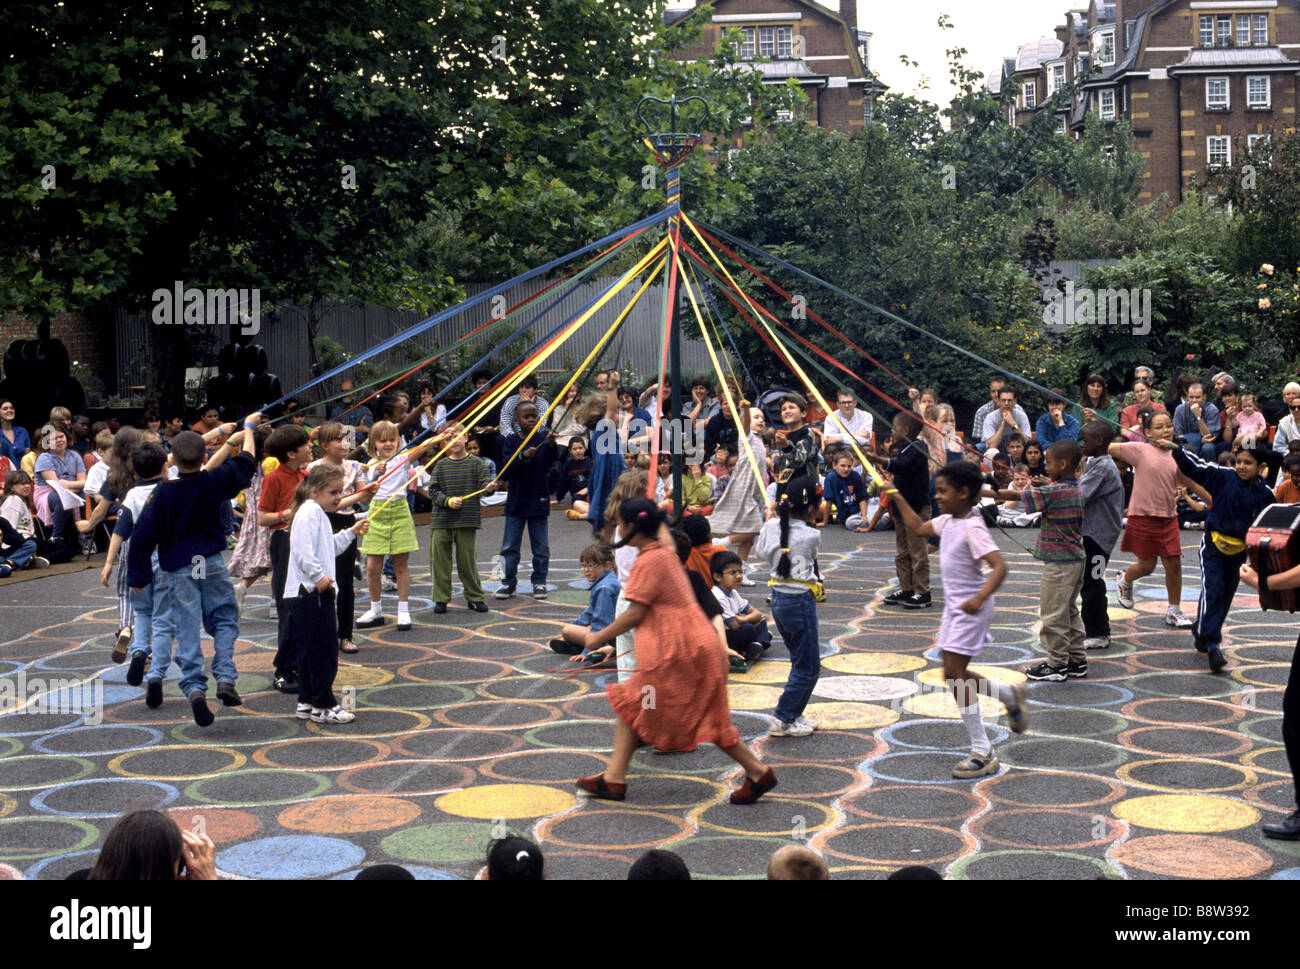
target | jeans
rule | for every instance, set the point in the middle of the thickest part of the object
(155, 624)
(19, 555)
(795, 615)
(209, 600)
(750, 639)
(63, 525)
(538, 542)
(1205, 449)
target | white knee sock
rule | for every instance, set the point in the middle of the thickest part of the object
(979, 738)
(403, 611)
(376, 607)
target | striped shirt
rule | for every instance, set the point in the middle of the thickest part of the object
(456, 478)
(1060, 538)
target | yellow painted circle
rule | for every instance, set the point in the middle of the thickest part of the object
(7, 804)
(360, 676)
(998, 674)
(1191, 813)
(867, 664)
(1119, 612)
(745, 696)
(762, 673)
(117, 764)
(1250, 758)
(1240, 674)
(843, 715)
(943, 706)
(1124, 772)
(506, 801)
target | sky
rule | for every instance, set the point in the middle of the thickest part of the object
(988, 29)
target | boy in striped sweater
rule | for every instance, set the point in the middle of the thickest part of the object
(1060, 549)
(454, 485)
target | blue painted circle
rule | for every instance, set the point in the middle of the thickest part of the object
(291, 856)
(887, 735)
(38, 802)
(872, 768)
(1285, 875)
(1122, 696)
(34, 871)
(153, 735)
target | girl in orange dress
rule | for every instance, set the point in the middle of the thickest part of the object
(677, 697)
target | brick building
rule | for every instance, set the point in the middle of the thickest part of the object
(1200, 81)
(824, 51)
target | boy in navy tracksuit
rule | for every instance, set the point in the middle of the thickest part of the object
(1239, 494)
(182, 520)
(529, 502)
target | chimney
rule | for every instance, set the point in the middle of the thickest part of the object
(849, 11)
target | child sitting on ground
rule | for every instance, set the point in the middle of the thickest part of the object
(698, 531)
(1193, 505)
(1288, 491)
(1034, 460)
(597, 561)
(698, 488)
(1012, 514)
(844, 495)
(575, 476)
(747, 632)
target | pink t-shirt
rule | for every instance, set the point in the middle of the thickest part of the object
(962, 543)
(1155, 480)
(1254, 424)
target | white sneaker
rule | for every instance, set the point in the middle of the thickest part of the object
(747, 581)
(1175, 619)
(1123, 591)
(389, 584)
(782, 729)
(332, 715)
(802, 721)
(1096, 642)
(304, 711)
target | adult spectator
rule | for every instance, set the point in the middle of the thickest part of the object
(847, 422)
(1229, 414)
(1147, 376)
(1129, 418)
(148, 846)
(987, 408)
(1056, 424)
(1095, 404)
(562, 421)
(602, 381)
(347, 411)
(1178, 393)
(1007, 419)
(209, 420)
(61, 478)
(1288, 428)
(1222, 381)
(526, 394)
(703, 405)
(1198, 422)
(14, 440)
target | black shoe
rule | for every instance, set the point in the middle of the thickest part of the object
(370, 623)
(1199, 644)
(286, 681)
(153, 694)
(1288, 829)
(917, 601)
(228, 695)
(1076, 669)
(477, 606)
(564, 647)
(135, 674)
(1217, 660)
(199, 703)
(1047, 672)
(403, 625)
(440, 607)
(896, 598)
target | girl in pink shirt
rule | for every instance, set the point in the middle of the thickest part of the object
(1250, 422)
(1151, 531)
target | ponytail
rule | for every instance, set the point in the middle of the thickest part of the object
(640, 516)
(783, 512)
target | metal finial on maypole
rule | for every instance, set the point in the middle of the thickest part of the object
(670, 149)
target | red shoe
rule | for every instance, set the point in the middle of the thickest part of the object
(596, 787)
(752, 790)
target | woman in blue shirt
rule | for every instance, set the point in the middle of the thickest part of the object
(14, 440)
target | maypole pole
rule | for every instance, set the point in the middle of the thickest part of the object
(670, 149)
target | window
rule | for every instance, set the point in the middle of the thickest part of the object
(747, 46)
(1253, 140)
(1056, 79)
(868, 111)
(1218, 150)
(1216, 94)
(1011, 115)
(1261, 30)
(1080, 63)
(1207, 30)
(1243, 30)
(1223, 25)
(766, 41)
(1106, 103)
(1031, 94)
(1065, 125)
(1106, 47)
(784, 42)
(1258, 93)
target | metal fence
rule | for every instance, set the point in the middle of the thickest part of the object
(285, 336)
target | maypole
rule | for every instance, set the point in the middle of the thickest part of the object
(670, 149)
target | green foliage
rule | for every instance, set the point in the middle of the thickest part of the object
(1263, 188)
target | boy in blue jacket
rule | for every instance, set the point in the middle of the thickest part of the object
(844, 495)
(597, 561)
(182, 521)
(1240, 494)
(528, 503)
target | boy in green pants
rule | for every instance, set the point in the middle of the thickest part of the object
(454, 485)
